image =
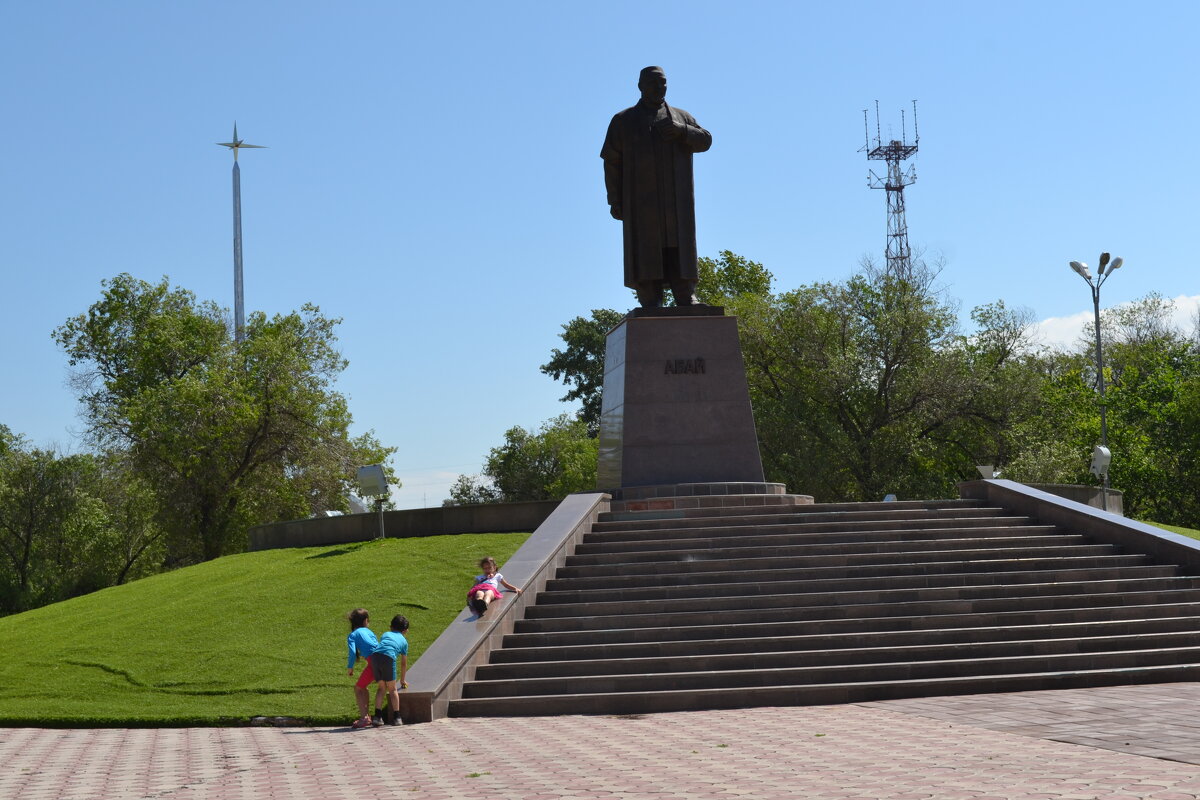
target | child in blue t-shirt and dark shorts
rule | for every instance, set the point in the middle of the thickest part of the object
(392, 648)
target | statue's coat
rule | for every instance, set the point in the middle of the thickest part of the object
(632, 180)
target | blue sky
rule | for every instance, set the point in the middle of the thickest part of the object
(433, 174)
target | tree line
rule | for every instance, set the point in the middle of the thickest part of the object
(871, 386)
(191, 436)
(861, 387)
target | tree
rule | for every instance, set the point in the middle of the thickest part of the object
(581, 364)
(71, 524)
(8, 440)
(226, 434)
(866, 387)
(556, 460)
(39, 497)
(730, 276)
(1152, 373)
(134, 544)
(989, 383)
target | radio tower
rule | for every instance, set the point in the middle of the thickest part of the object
(895, 152)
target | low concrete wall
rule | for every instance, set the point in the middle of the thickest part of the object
(1088, 495)
(440, 672)
(490, 518)
(1100, 526)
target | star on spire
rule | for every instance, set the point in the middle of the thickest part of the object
(237, 143)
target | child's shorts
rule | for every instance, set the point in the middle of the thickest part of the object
(366, 678)
(384, 666)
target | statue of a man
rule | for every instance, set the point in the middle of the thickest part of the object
(648, 172)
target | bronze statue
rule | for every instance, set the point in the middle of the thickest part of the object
(648, 172)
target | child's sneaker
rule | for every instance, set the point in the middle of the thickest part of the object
(376, 721)
(363, 722)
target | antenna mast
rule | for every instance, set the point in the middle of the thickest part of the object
(894, 152)
(239, 313)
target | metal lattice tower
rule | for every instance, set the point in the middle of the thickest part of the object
(894, 152)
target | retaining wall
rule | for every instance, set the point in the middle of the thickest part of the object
(1088, 495)
(489, 518)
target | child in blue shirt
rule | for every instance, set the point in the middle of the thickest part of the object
(392, 647)
(362, 642)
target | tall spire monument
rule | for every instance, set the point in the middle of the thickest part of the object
(239, 310)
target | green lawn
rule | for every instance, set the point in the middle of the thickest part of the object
(242, 636)
(1192, 532)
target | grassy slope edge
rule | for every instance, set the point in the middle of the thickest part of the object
(1192, 532)
(221, 642)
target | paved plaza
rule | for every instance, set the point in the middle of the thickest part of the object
(1115, 744)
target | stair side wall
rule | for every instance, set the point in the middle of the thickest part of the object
(1099, 526)
(448, 663)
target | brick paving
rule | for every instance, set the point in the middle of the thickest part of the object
(1158, 720)
(1016, 746)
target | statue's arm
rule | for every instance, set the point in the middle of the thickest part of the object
(613, 175)
(695, 139)
(612, 182)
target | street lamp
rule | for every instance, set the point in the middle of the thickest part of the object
(1101, 456)
(373, 482)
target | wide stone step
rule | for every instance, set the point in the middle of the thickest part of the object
(718, 509)
(748, 614)
(724, 629)
(783, 547)
(683, 497)
(830, 520)
(835, 673)
(816, 694)
(950, 563)
(700, 538)
(802, 598)
(1139, 627)
(787, 659)
(755, 584)
(799, 564)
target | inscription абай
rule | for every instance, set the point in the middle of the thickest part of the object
(684, 366)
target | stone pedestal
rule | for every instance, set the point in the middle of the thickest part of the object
(676, 407)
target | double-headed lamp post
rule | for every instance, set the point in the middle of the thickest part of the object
(1102, 456)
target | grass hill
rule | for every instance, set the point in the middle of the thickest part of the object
(1192, 532)
(256, 634)
(221, 642)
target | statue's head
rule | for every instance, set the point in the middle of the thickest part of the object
(653, 83)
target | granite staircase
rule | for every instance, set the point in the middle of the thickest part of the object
(666, 607)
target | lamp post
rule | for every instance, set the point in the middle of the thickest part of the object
(1101, 456)
(373, 482)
